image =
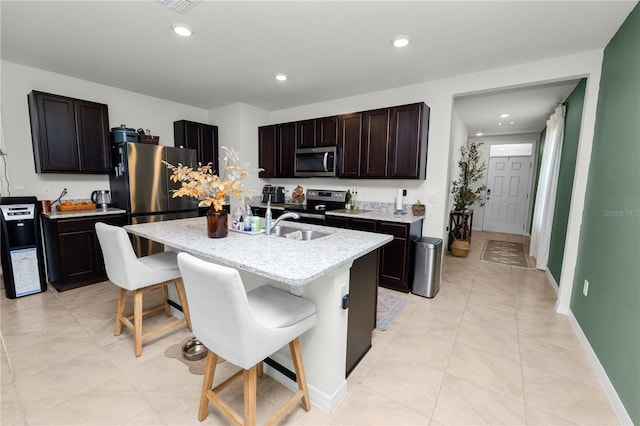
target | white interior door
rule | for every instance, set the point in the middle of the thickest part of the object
(507, 202)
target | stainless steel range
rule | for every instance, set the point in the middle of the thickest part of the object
(318, 202)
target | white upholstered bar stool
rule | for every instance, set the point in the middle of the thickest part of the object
(138, 275)
(243, 328)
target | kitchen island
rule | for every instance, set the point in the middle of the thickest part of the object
(319, 270)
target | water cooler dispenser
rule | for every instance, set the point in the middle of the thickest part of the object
(21, 250)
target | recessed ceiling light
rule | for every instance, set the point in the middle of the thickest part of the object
(479, 134)
(512, 122)
(281, 77)
(400, 41)
(504, 115)
(182, 30)
(499, 124)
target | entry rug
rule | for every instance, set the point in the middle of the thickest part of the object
(388, 308)
(195, 367)
(505, 253)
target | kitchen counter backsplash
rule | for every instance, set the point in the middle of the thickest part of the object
(379, 210)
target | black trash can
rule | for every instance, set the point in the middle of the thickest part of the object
(428, 261)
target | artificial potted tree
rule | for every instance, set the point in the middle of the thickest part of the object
(466, 192)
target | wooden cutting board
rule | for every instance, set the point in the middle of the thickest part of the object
(75, 207)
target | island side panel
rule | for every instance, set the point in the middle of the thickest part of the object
(363, 299)
(324, 347)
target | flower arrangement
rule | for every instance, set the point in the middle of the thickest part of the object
(204, 184)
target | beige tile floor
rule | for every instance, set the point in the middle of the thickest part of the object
(488, 349)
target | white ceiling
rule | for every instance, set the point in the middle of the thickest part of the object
(528, 108)
(330, 49)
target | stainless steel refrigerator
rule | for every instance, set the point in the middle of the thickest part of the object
(140, 185)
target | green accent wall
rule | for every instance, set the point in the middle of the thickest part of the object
(609, 245)
(543, 137)
(572, 122)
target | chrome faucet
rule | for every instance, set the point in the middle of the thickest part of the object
(288, 215)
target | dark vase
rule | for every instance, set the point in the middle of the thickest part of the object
(217, 223)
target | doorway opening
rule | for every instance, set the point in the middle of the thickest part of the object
(508, 194)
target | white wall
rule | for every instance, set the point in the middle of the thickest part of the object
(133, 109)
(238, 127)
(439, 96)
(459, 137)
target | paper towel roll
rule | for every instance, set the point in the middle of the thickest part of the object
(399, 200)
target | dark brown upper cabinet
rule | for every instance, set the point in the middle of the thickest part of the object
(69, 135)
(306, 134)
(276, 150)
(394, 142)
(285, 149)
(349, 143)
(327, 131)
(385, 143)
(317, 132)
(376, 128)
(267, 151)
(408, 145)
(199, 136)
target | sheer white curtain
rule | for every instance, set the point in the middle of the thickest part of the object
(547, 186)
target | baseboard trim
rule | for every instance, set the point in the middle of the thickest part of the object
(609, 390)
(319, 398)
(552, 280)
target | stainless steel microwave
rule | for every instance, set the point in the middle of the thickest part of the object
(317, 162)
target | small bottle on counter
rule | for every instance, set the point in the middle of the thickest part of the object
(248, 219)
(354, 199)
(255, 224)
(237, 219)
(347, 200)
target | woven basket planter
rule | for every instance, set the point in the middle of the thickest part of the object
(460, 248)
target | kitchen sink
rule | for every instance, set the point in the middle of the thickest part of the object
(304, 234)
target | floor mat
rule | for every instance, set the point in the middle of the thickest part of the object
(388, 308)
(505, 253)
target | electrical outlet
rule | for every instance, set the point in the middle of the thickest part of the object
(585, 287)
(19, 190)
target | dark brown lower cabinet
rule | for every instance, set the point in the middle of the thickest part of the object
(73, 254)
(396, 257)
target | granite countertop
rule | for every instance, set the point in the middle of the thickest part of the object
(54, 214)
(293, 262)
(376, 215)
(365, 213)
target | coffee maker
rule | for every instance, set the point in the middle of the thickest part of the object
(276, 193)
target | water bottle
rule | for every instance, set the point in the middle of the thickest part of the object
(237, 219)
(248, 219)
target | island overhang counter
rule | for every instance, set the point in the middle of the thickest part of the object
(319, 270)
